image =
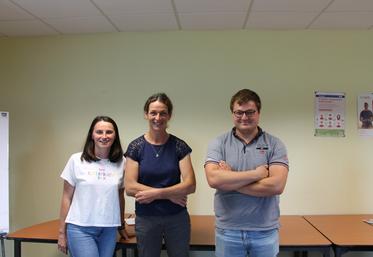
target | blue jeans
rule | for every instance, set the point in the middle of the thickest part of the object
(241, 243)
(91, 241)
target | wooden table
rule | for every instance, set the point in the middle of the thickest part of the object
(296, 235)
(47, 232)
(346, 232)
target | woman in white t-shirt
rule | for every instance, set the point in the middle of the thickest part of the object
(92, 206)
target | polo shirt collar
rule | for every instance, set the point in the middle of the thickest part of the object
(260, 132)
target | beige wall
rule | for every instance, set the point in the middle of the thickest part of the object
(54, 86)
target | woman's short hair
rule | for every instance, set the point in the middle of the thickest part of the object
(116, 151)
(244, 96)
(161, 97)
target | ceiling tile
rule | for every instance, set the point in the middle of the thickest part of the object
(25, 17)
(344, 20)
(351, 5)
(25, 28)
(93, 24)
(145, 22)
(279, 20)
(215, 21)
(289, 5)
(59, 8)
(188, 6)
(115, 7)
(9, 11)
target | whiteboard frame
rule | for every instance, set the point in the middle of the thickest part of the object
(4, 172)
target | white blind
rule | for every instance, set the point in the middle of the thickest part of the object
(4, 172)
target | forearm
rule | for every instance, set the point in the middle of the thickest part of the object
(62, 238)
(121, 205)
(232, 180)
(269, 186)
(134, 187)
(149, 195)
(262, 188)
(181, 189)
(65, 206)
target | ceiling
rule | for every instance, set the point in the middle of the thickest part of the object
(58, 17)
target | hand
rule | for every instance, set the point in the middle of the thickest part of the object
(262, 171)
(62, 243)
(224, 166)
(123, 234)
(147, 196)
(181, 200)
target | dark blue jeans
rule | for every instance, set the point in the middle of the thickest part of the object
(173, 229)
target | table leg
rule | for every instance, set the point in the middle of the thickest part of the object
(135, 252)
(339, 251)
(2, 246)
(300, 254)
(17, 248)
(326, 252)
(123, 251)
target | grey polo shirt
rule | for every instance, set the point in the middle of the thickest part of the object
(234, 210)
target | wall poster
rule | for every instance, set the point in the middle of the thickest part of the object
(365, 114)
(330, 114)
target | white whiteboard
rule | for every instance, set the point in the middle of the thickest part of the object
(4, 172)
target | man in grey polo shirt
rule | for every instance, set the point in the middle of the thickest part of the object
(248, 168)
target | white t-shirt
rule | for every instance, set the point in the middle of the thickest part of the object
(96, 198)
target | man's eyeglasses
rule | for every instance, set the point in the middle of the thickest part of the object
(248, 113)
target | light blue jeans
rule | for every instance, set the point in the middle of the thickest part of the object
(91, 241)
(241, 243)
